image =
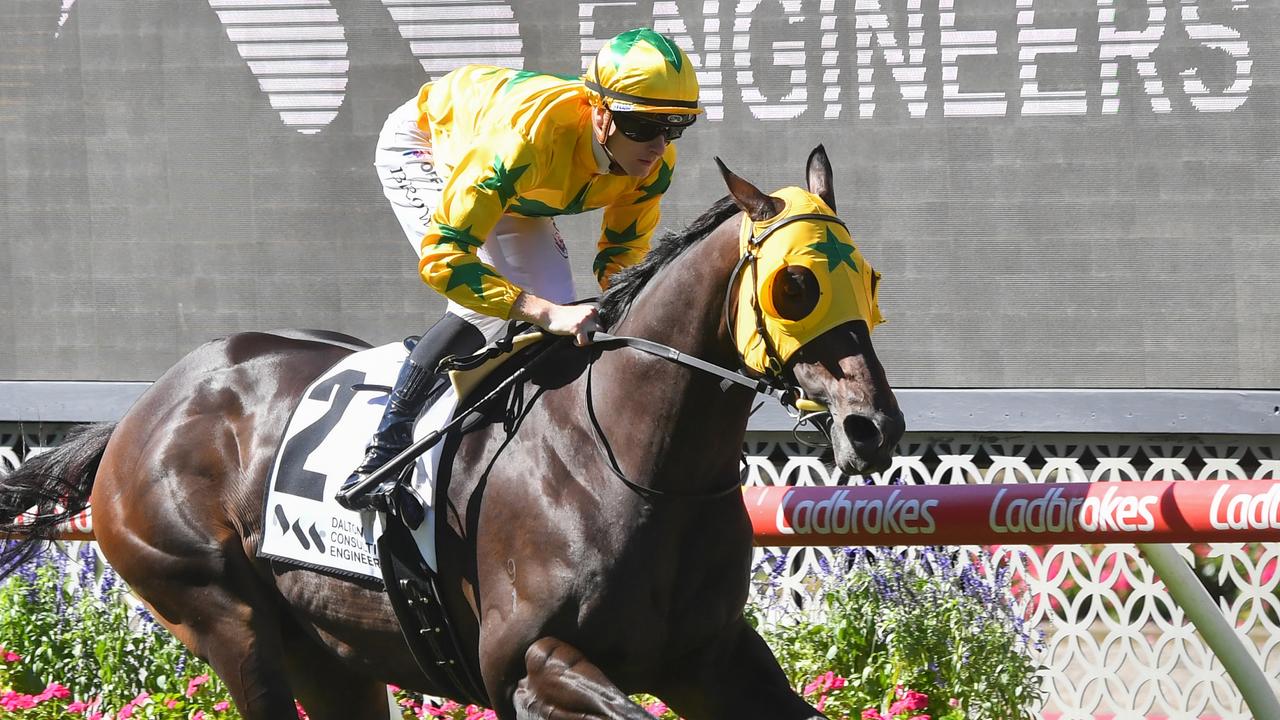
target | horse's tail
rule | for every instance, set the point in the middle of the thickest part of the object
(56, 484)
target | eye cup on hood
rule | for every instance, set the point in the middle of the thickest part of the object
(792, 293)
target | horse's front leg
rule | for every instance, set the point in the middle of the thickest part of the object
(560, 682)
(735, 677)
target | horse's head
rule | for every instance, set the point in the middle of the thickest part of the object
(801, 309)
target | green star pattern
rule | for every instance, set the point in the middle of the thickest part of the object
(835, 251)
(470, 274)
(625, 236)
(621, 45)
(461, 237)
(535, 208)
(659, 184)
(604, 257)
(522, 75)
(504, 180)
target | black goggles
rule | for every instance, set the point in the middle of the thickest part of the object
(642, 130)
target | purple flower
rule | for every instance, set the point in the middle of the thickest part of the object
(107, 588)
(88, 561)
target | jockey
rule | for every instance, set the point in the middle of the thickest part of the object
(481, 160)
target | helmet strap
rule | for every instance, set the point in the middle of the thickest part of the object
(614, 167)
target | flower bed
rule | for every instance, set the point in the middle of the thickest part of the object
(897, 638)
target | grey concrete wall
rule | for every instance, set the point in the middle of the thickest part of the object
(157, 187)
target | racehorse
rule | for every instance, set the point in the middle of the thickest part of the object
(569, 588)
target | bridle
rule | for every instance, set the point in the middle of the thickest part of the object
(772, 381)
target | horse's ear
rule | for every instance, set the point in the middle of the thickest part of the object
(818, 171)
(754, 203)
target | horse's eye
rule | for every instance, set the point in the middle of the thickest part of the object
(794, 292)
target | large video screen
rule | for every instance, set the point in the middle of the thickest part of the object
(1059, 193)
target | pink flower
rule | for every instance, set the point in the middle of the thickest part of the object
(919, 717)
(954, 702)
(393, 688)
(302, 714)
(442, 711)
(197, 715)
(193, 685)
(220, 706)
(56, 690)
(77, 707)
(910, 701)
(13, 700)
(126, 712)
(656, 709)
(872, 714)
(821, 683)
(171, 703)
(11, 657)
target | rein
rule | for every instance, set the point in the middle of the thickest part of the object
(772, 383)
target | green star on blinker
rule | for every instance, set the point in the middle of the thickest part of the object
(470, 274)
(504, 180)
(835, 251)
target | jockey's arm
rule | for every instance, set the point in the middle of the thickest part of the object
(483, 184)
(629, 222)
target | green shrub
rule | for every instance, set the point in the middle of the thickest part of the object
(909, 636)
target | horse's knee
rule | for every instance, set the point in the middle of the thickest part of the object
(550, 655)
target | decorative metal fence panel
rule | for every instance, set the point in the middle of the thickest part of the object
(1115, 644)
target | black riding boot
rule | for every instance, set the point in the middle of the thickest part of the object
(395, 431)
(450, 335)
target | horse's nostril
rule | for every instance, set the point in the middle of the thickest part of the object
(862, 431)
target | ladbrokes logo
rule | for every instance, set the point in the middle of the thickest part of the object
(1057, 514)
(1245, 511)
(841, 515)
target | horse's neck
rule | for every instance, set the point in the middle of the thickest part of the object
(685, 431)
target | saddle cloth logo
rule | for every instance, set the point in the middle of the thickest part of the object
(324, 442)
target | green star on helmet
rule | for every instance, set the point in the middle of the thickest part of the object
(622, 44)
(504, 180)
(835, 251)
(468, 273)
(606, 256)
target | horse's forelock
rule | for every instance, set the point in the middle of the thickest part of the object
(627, 284)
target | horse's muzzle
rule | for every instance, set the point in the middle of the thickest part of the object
(863, 442)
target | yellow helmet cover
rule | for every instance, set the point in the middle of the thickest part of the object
(643, 71)
(849, 286)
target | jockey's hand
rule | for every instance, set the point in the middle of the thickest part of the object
(578, 321)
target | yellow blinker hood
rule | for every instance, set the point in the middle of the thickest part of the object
(849, 285)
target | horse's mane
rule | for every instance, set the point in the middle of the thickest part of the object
(627, 283)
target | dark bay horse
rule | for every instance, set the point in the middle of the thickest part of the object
(569, 588)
